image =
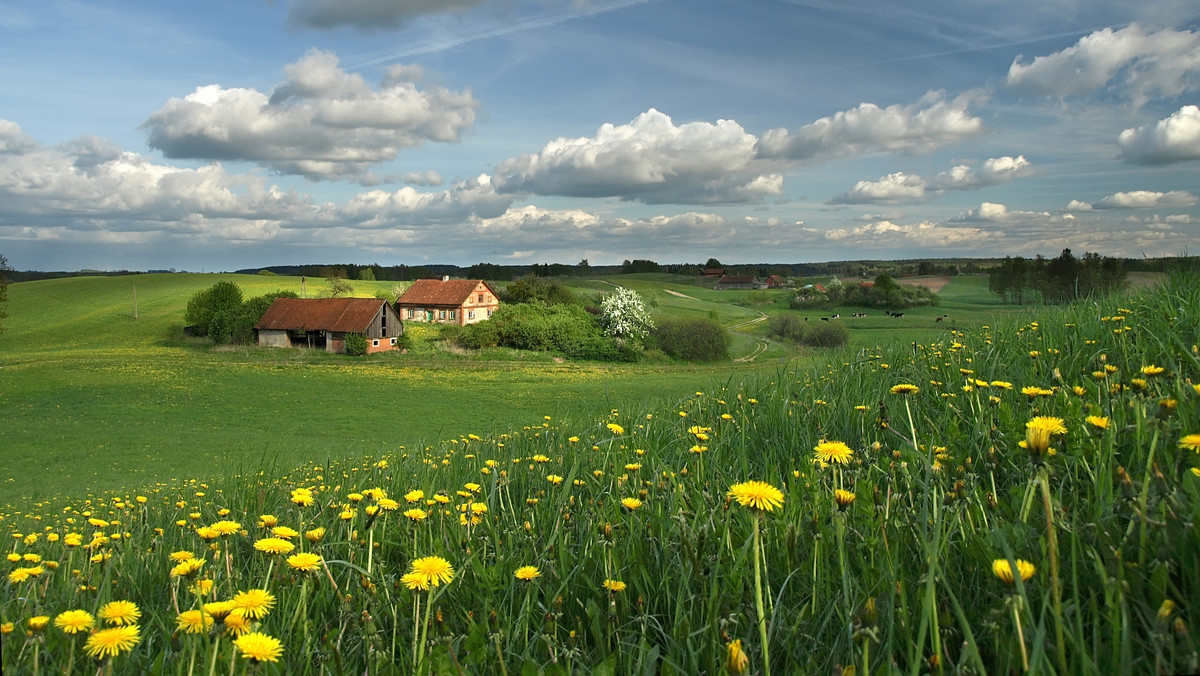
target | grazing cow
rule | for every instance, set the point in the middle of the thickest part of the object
(824, 319)
(937, 319)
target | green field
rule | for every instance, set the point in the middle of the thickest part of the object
(95, 398)
(1009, 499)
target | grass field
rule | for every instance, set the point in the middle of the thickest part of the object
(1017, 498)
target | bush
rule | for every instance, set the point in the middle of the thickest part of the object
(812, 334)
(600, 348)
(534, 326)
(241, 325)
(222, 299)
(356, 344)
(531, 289)
(692, 339)
(623, 315)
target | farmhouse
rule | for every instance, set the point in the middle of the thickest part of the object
(448, 301)
(739, 282)
(324, 323)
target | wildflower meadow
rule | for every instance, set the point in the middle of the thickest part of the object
(1021, 497)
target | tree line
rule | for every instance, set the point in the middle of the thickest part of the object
(1057, 280)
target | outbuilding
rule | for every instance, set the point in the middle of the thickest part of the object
(324, 322)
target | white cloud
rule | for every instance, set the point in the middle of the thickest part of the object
(995, 170)
(1144, 65)
(927, 124)
(423, 178)
(1076, 205)
(1173, 139)
(897, 187)
(925, 234)
(369, 14)
(12, 139)
(321, 122)
(903, 187)
(472, 199)
(1146, 199)
(649, 160)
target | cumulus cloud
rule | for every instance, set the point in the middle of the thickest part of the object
(1173, 139)
(929, 123)
(925, 234)
(1146, 199)
(12, 139)
(902, 187)
(423, 178)
(994, 171)
(472, 199)
(650, 160)
(369, 14)
(897, 187)
(1076, 205)
(1142, 64)
(321, 122)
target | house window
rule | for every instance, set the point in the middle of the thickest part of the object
(393, 341)
(452, 313)
(375, 343)
(408, 313)
(489, 312)
(470, 314)
(441, 314)
(481, 298)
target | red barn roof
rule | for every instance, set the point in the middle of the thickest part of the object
(346, 315)
(453, 292)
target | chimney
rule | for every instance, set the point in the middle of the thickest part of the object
(445, 278)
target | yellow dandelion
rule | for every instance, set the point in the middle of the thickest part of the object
(237, 622)
(414, 496)
(194, 621)
(1002, 570)
(218, 609)
(415, 581)
(905, 388)
(268, 520)
(226, 527)
(255, 603)
(274, 546)
(112, 642)
(435, 569)
(38, 622)
(736, 660)
(615, 428)
(74, 621)
(614, 585)
(631, 503)
(1153, 370)
(554, 479)
(416, 514)
(284, 532)
(304, 561)
(181, 556)
(527, 573)
(1098, 421)
(120, 612)
(1190, 442)
(843, 498)
(315, 535)
(259, 647)
(758, 495)
(833, 451)
(208, 533)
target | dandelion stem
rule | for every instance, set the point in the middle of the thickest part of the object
(1020, 637)
(1056, 590)
(758, 600)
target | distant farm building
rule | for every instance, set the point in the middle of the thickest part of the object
(779, 282)
(324, 322)
(448, 301)
(712, 273)
(739, 282)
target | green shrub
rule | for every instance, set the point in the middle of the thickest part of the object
(479, 335)
(531, 289)
(533, 326)
(813, 334)
(692, 339)
(356, 344)
(222, 298)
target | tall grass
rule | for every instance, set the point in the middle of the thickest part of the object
(899, 581)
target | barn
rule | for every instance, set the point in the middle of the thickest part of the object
(324, 322)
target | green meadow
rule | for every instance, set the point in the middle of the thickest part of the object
(1011, 490)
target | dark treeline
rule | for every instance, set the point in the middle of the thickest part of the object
(1057, 280)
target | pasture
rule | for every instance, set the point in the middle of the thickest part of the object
(1016, 493)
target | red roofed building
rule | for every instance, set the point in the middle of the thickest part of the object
(448, 301)
(324, 323)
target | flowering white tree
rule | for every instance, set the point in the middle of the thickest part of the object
(623, 315)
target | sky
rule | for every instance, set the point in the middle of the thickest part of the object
(233, 134)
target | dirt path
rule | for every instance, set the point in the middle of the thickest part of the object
(681, 295)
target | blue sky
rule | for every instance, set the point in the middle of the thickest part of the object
(223, 135)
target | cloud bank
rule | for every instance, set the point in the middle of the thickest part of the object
(1170, 140)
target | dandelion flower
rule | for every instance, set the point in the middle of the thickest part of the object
(237, 623)
(905, 388)
(112, 642)
(833, 451)
(758, 495)
(1153, 370)
(304, 561)
(255, 603)
(1190, 442)
(843, 499)
(226, 527)
(284, 532)
(194, 621)
(434, 569)
(274, 546)
(315, 535)
(1002, 570)
(218, 609)
(259, 647)
(120, 612)
(181, 556)
(554, 479)
(527, 573)
(614, 585)
(415, 581)
(74, 621)
(1098, 421)
(615, 428)
(631, 503)
(38, 622)
(416, 514)
(736, 660)
(414, 496)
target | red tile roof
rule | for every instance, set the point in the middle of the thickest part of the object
(453, 292)
(320, 314)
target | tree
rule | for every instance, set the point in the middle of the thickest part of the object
(338, 286)
(623, 315)
(366, 274)
(217, 305)
(3, 290)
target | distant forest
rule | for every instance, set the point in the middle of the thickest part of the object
(1017, 273)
